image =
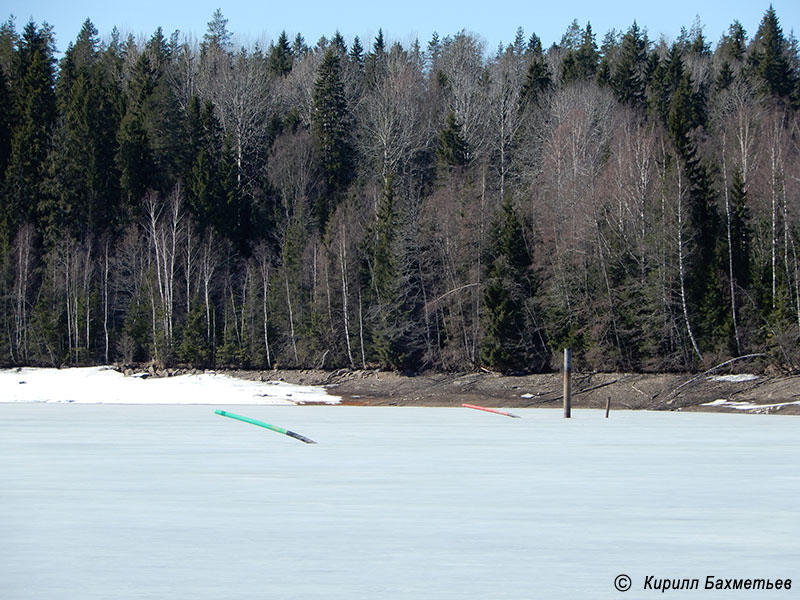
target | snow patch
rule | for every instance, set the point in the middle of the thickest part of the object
(104, 385)
(734, 378)
(740, 405)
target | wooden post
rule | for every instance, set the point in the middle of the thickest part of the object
(608, 406)
(567, 382)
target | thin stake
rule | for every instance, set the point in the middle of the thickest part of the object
(567, 383)
(608, 406)
(296, 436)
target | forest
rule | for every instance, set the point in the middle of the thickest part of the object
(361, 204)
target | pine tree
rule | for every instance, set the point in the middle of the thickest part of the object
(217, 35)
(331, 128)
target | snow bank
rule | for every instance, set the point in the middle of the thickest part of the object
(104, 385)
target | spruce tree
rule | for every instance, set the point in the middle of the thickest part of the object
(82, 183)
(741, 232)
(453, 149)
(769, 60)
(280, 56)
(396, 329)
(5, 124)
(537, 80)
(581, 64)
(331, 128)
(508, 286)
(629, 77)
(357, 53)
(33, 117)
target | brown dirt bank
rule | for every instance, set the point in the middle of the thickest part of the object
(766, 394)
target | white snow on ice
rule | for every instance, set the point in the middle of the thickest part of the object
(734, 378)
(104, 385)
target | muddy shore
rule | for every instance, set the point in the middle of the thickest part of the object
(774, 394)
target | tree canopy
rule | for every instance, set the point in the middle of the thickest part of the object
(365, 203)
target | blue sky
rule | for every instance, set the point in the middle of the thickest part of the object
(495, 22)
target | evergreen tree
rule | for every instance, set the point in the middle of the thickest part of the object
(507, 287)
(33, 117)
(733, 45)
(357, 53)
(769, 59)
(148, 155)
(299, 48)
(133, 160)
(5, 124)
(82, 182)
(217, 35)
(8, 42)
(730, 55)
(537, 80)
(331, 128)
(375, 62)
(194, 348)
(666, 78)
(205, 177)
(281, 56)
(608, 50)
(741, 232)
(686, 111)
(453, 149)
(629, 78)
(396, 329)
(338, 44)
(581, 64)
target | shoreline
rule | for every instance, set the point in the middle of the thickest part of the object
(744, 393)
(763, 394)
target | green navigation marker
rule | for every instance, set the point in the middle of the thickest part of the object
(296, 436)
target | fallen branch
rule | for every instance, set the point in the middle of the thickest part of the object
(676, 391)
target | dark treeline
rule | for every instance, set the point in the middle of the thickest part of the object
(368, 204)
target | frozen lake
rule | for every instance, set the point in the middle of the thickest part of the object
(123, 502)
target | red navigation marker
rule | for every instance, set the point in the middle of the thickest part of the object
(492, 410)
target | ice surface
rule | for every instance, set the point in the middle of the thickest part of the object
(129, 502)
(104, 385)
